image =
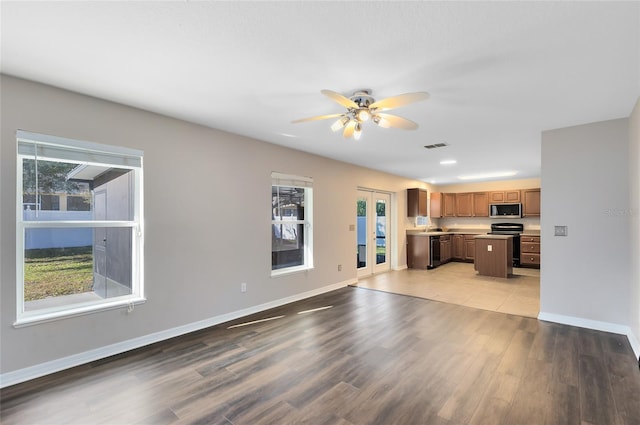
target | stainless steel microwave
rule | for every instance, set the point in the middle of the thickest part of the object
(505, 210)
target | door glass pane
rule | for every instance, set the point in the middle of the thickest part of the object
(361, 216)
(381, 231)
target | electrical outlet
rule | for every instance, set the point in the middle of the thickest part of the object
(339, 267)
(489, 248)
(560, 231)
(243, 287)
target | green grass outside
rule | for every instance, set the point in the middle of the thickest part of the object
(53, 272)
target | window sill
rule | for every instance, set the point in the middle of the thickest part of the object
(35, 318)
(290, 270)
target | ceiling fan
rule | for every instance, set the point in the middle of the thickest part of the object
(361, 107)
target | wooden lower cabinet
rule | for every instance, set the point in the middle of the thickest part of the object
(458, 247)
(464, 247)
(417, 252)
(494, 257)
(530, 251)
(446, 253)
(469, 247)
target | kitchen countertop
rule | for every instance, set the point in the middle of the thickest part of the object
(493, 236)
(448, 232)
(424, 232)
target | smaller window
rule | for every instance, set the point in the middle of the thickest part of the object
(291, 223)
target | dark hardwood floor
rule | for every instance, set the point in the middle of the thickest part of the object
(372, 358)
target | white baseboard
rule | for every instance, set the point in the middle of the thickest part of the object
(635, 343)
(32, 372)
(595, 325)
(398, 268)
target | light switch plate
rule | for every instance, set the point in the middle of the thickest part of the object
(560, 231)
(489, 248)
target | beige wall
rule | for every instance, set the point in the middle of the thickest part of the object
(489, 186)
(207, 224)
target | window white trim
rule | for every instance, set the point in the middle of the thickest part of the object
(306, 183)
(280, 179)
(45, 147)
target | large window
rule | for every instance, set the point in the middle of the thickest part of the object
(79, 227)
(291, 220)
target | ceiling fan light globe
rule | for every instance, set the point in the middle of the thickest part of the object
(381, 121)
(339, 124)
(363, 115)
(357, 132)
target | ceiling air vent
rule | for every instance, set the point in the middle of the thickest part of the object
(436, 145)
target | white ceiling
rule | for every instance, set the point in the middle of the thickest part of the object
(498, 73)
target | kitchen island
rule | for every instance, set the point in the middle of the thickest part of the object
(494, 255)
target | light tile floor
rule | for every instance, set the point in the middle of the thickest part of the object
(458, 283)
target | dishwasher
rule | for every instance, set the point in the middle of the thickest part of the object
(434, 252)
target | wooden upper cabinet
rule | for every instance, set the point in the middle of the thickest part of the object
(512, 196)
(480, 204)
(449, 204)
(504, 197)
(476, 204)
(531, 203)
(435, 206)
(464, 204)
(416, 203)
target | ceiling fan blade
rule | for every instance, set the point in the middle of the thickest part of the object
(349, 129)
(316, 118)
(387, 120)
(398, 101)
(337, 97)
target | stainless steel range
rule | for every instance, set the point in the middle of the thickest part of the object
(514, 229)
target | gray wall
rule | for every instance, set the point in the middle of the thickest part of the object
(634, 217)
(207, 198)
(207, 195)
(585, 186)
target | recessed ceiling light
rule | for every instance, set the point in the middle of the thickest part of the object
(448, 162)
(488, 175)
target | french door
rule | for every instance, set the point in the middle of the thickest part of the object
(373, 210)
